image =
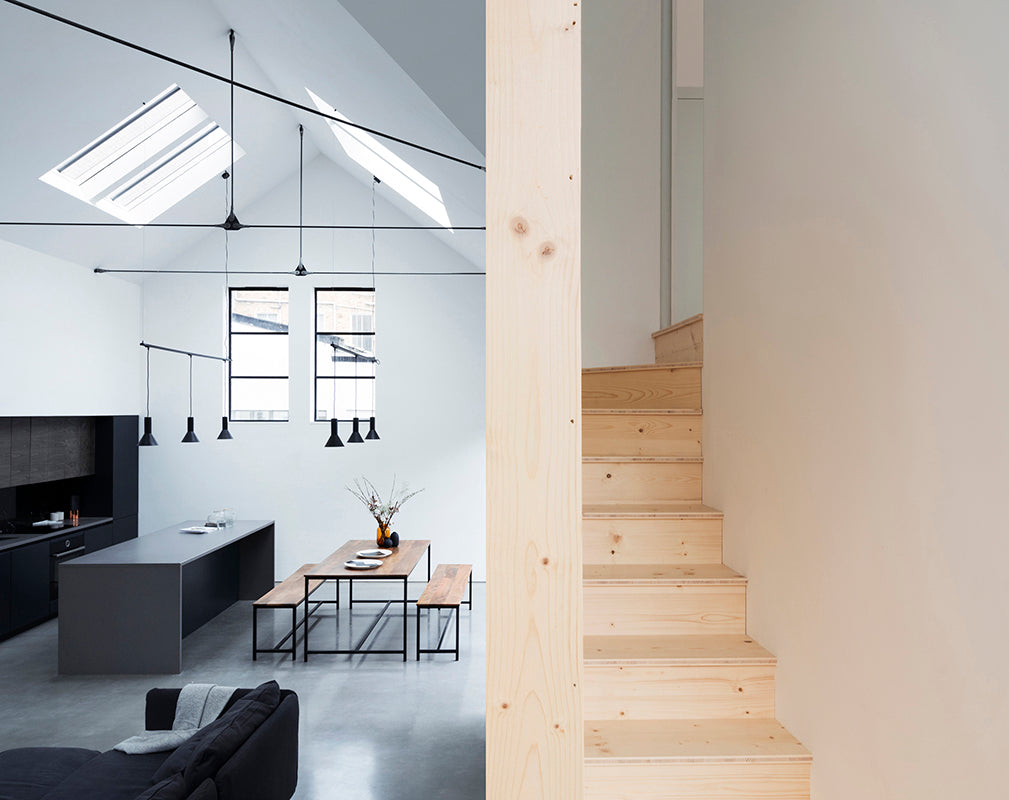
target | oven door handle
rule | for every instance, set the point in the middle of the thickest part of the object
(69, 552)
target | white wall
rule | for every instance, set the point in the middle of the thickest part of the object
(856, 389)
(68, 338)
(621, 173)
(430, 340)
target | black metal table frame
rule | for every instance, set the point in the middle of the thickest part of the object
(358, 649)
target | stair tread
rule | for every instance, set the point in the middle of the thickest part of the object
(738, 649)
(643, 459)
(691, 740)
(644, 412)
(668, 510)
(640, 367)
(660, 574)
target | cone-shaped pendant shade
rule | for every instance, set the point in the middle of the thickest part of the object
(334, 434)
(225, 433)
(190, 433)
(355, 437)
(148, 440)
(372, 433)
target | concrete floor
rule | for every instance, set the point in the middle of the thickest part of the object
(372, 728)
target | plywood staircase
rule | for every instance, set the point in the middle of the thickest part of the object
(678, 700)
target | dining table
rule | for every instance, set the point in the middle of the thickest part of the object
(395, 567)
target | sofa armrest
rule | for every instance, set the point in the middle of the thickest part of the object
(266, 765)
(160, 712)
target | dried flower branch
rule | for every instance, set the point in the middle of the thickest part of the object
(383, 512)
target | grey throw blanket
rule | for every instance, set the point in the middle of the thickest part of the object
(198, 705)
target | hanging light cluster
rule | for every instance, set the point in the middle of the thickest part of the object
(148, 440)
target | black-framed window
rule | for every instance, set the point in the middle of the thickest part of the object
(344, 353)
(259, 372)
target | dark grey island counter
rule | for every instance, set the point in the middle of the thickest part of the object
(126, 609)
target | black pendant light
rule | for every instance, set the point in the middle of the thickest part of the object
(355, 437)
(148, 440)
(225, 434)
(334, 439)
(190, 436)
(372, 433)
(300, 270)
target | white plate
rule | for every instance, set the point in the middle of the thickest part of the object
(362, 564)
(373, 553)
(196, 529)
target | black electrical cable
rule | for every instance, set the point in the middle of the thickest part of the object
(36, 224)
(103, 271)
(243, 86)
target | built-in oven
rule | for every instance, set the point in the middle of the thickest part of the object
(61, 550)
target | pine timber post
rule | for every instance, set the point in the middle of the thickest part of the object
(535, 741)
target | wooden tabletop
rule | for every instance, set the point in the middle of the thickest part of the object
(399, 565)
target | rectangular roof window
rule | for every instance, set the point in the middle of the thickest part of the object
(385, 165)
(149, 161)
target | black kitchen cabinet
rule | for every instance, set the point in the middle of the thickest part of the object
(21, 457)
(38, 459)
(98, 538)
(5, 452)
(124, 529)
(42, 449)
(5, 593)
(114, 489)
(29, 584)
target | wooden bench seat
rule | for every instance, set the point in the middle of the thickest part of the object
(446, 589)
(289, 593)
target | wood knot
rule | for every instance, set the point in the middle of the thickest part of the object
(548, 249)
(520, 226)
(609, 475)
(504, 705)
(546, 561)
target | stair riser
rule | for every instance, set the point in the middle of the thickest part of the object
(684, 343)
(655, 610)
(641, 482)
(697, 781)
(717, 691)
(652, 541)
(653, 388)
(641, 435)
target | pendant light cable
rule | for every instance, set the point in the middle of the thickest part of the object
(190, 385)
(231, 41)
(300, 270)
(148, 382)
(374, 389)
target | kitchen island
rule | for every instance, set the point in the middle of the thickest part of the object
(126, 609)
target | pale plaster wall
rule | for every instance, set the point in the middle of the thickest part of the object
(621, 174)
(855, 386)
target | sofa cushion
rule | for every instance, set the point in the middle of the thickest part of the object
(171, 788)
(27, 773)
(110, 776)
(203, 754)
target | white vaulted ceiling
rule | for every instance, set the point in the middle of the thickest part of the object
(63, 87)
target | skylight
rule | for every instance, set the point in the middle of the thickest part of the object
(138, 169)
(385, 165)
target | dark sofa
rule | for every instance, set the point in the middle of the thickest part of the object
(249, 752)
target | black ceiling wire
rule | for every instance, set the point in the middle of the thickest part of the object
(243, 86)
(245, 226)
(110, 271)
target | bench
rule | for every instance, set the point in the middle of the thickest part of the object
(446, 589)
(290, 593)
